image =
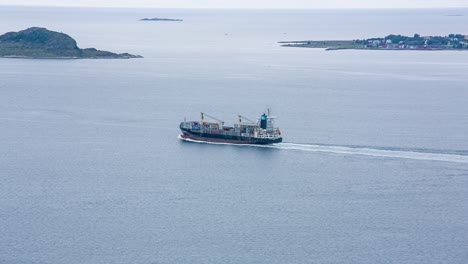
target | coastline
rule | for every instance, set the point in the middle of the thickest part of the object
(69, 58)
(390, 42)
(41, 43)
(368, 49)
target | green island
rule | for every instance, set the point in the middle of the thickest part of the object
(390, 42)
(41, 43)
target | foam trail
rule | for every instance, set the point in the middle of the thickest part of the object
(403, 154)
(365, 151)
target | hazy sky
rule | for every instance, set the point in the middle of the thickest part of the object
(247, 3)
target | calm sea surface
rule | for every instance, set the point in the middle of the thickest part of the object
(374, 168)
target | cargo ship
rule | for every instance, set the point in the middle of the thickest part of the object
(262, 132)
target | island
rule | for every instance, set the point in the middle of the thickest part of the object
(41, 43)
(390, 42)
(160, 19)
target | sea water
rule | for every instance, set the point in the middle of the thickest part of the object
(373, 168)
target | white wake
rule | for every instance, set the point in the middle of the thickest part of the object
(403, 154)
(365, 151)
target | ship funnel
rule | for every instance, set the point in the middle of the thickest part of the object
(263, 121)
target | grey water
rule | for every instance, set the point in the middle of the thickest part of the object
(373, 168)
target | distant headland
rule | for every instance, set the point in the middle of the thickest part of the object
(41, 43)
(390, 42)
(160, 19)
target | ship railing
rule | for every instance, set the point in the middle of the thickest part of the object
(268, 136)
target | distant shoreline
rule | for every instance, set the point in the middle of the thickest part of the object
(390, 42)
(62, 58)
(368, 49)
(38, 58)
(161, 19)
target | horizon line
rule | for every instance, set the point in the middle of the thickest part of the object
(238, 8)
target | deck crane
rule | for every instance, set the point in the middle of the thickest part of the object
(240, 118)
(202, 118)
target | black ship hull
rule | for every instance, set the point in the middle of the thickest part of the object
(220, 138)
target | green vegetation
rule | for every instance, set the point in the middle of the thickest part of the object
(393, 42)
(42, 43)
